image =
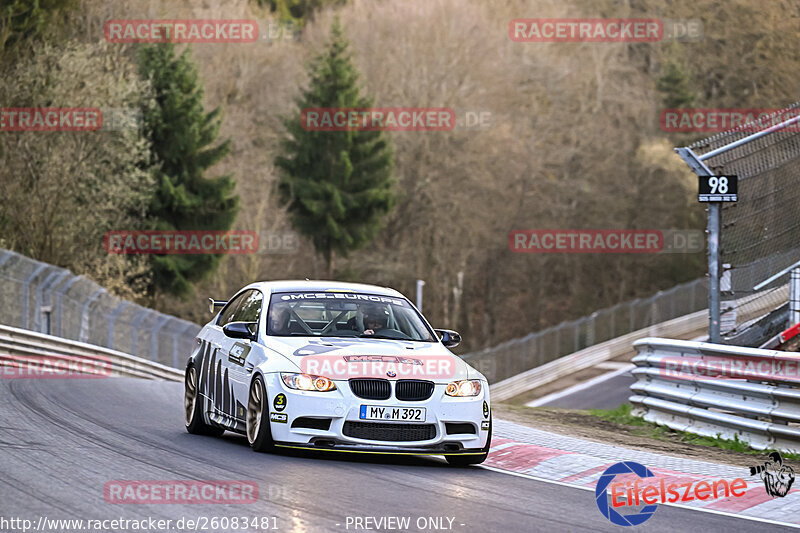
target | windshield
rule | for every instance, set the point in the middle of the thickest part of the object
(345, 314)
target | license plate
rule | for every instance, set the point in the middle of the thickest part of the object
(398, 414)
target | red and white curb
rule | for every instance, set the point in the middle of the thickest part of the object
(582, 470)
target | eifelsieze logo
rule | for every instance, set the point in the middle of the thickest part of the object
(638, 486)
(601, 494)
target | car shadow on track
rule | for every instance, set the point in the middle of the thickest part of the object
(349, 457)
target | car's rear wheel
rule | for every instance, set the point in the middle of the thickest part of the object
(466, 460)
(193, 409)
(259, 434)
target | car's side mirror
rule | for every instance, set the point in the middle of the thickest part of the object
(213, 304)
(240, 330)
(449, 338)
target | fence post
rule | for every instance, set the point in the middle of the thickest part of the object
(794, 297)
(26, 287)
(612, 324)
(113, 318)
(137, 321)
(54, 277)
(60, 304)
(631, 315)
(713, 230)
(84, 334)
(576, 334)
(154, 339)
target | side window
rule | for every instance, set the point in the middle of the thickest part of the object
(227, 313)
(250, 308)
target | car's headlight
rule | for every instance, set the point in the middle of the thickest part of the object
(466, 387)
(308, 382)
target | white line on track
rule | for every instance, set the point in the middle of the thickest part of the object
(580, 386)
(700, 509)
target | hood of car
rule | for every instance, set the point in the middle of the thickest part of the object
(344, 358)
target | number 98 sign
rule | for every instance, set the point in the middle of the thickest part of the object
(718, 189)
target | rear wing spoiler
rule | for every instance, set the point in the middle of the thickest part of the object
(213, 304)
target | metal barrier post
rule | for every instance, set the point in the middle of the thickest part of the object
(135, 330)
(794, 297)
(714, 216)
(154, 339)
(60, 304)
(121, 307)
(26, 286)
(53, 278)
(84, 334)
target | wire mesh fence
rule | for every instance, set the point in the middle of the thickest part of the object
(518, 355)
(760, 234)
(52, 300)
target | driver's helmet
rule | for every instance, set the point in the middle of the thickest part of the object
(279, 316)
(375, 315)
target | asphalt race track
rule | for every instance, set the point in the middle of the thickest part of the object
(62, 440)
(608, 394)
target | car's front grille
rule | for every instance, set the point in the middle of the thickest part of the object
(455, 428)
(413, 390)
(389, 432)
(371, 389)
(312, 423)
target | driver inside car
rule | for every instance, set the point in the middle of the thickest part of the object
(279, 315)
(358, 322)
(374, 321)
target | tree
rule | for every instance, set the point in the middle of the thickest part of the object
(181, 134)
(337, 185)
(21, 20)
(297, 11)
(675, 84)
(63, 190)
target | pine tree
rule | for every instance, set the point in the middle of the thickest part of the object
(675, 84)
(337, 185)
(298, 11)
(182, 135)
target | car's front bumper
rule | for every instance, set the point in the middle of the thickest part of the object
(342, 406)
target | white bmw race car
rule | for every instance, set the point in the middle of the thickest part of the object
(337, 367)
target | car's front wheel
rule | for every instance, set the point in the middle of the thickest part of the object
(466, 460)
(193, 408)
(259, 434)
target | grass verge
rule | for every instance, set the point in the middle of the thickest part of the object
(622, 415)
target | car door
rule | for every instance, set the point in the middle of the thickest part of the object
(235, 376)
(211, 369)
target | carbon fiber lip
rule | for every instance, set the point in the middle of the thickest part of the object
(389, 450)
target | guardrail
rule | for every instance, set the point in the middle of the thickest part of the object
(732, 392)
(691, 325)
(21, 346)
(515, 356)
